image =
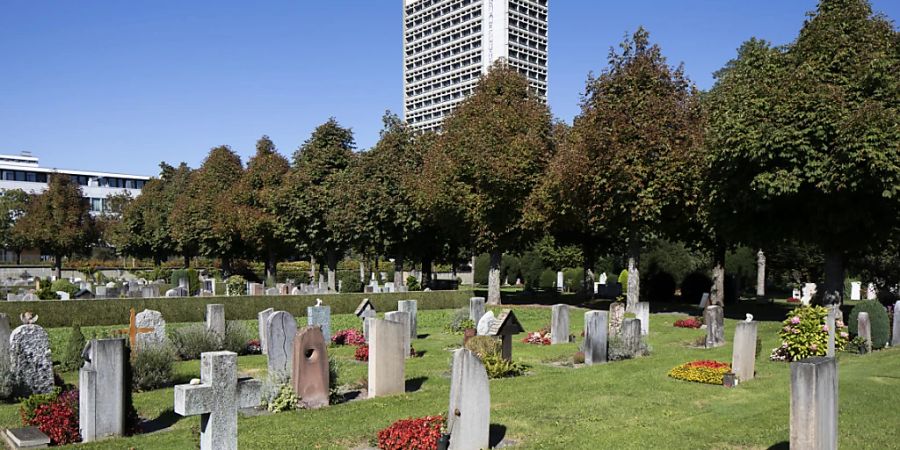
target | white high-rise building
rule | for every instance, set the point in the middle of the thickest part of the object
(449, 44)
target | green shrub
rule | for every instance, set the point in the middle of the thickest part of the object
(456, 323)
(623, 280)
(805, 334)
(192, 340)
(28, 406)
(349, 281)
(510, 269)
(236, 337)
(531, 266)
(286, 400)
(878, 318)
(659, 287)
(574, 279)
(191, 275)
(497, 367)
(412, 284)
(236, 285)
(694, 286)
(72, 359)
(548, 280)
(46, 291)
(482, 268)
(157, 273)
(483, 346)
(7, 381)
(152, 368)
(64, 286)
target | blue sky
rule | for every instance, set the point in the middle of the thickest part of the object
(121, 86)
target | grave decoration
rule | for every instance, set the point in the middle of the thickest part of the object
(709, 372)
(132, 331)
(505, 327)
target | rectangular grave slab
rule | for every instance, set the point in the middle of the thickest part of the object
(743, 354)
(714, 318)
(814, 404)
(403, 319)
(596, 327)
(476, 308)
(262, 319)
(559, 325)
(469, 414)
(411, 307)
(387, 363)
(320, 316)
(101, 390)
(26, 438)
(642, 313)
(215, 319)
(895, 339)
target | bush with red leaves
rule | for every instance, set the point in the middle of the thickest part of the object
(412, 434)
(690, 322)
(362, 353)
(58, 418)
(349, 336)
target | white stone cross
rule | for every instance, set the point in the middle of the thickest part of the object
(217, 399)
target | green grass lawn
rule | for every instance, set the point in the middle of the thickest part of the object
(630, 404)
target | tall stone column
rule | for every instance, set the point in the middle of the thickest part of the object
(760, 273)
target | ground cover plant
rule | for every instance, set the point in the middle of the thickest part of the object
(709, 372)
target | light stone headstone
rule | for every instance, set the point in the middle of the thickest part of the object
(411, 307)
(485, 323)
(272, 291)
(559, 324)
(30, 359)
(150, 291)
(814, 404)
(603, 278)
(743, 354)
(596, 327)
(320, 316)
(282, 328)
(855, 290)
(309, 374)
(63, 295)
(403, 319)
(642, 312)
(262, 320)
(714, 318)
(101, 390)
(476, 308)
(704, 300)
(864, 329)
(215, 319)
(469, 414)
(560, 282)
(387, 362)
(895, 337)
(4, 335)
(832, 329)
(149, 318)
(177, 292)
(871, 292)
(365, 310)
(217, 399)
(631, 336)
(30, 297)
(296, 291)
(616, 317)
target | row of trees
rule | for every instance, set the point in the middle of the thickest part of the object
(797, 143)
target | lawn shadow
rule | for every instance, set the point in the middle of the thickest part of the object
(421, 353)
(161, 422)
(414, 384)
(422, 336)
(497, 433)
(781, 446)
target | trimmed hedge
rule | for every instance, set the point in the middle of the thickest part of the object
(55, 313)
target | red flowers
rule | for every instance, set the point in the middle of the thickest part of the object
(412, 434)
(58, 419)
(362, 353)
(688, 323)
(349, 336)
(709, 364)
(540, 337)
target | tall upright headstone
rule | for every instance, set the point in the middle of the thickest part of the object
(320, 316)
(282, 328)
(830, 323)
(217, 399)
(262, 320)
(616, 317)
(403, 319)
(215, 319)
(309, 376)
(559, 324)
(387, 363)
(760, 273)
(469, 414)
(642, 313)
(30, 358)
(476, 308)
(864, 329)
(596, 327)
(411, 307)
(743, 354)
(895, 339)
(631, 336)
(714, 318)
(101, 390)
(560, 281)
(814, 404)
(4, 335)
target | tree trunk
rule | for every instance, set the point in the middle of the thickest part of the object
(187, 261)
(426, 272)
(494, 279)
(332, 260)
(226, 267)
(717, 292)
(834, 278)
(18, 257)
(398, 272)
(271, 268)
(58, 264)
(634, 275)
(312, 270)
(760, 274)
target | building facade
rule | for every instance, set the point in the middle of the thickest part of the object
(449, 44)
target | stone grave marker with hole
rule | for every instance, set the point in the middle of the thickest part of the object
(101, 390)
(387, 363)
(469, 414)
(217, 399)
(504, 327)
(309, 376)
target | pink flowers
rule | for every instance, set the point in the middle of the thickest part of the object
(825, 328)
(795, 320)
(845, 335)
(813, 347)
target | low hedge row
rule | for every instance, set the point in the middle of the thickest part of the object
(63, 313)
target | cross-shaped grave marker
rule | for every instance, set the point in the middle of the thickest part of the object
(217, 399)
(132, 331)
(505, 326)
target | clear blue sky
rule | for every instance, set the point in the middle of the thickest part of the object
(123, 85)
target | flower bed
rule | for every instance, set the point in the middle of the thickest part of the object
(804, 333)
(690, 322)
(540, 337)
(709, 372)
(362, 353)
(253, 347)
(412, 434)
(349, 336)
(793, 300)
(55, 414)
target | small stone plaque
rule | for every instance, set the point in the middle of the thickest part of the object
(28, 437)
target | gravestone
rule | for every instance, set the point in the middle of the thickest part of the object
(309, 374)
(150, 319)
(895, 339)
(215, 319)
(743, 354)
(63, 295)
(283, 288)
(217, 399)
(871, 292)
(365, 310)
(272, 291)
(255, 289)
(485, 323)
(280, 342)
(814, 404)
(296, 291)
(476, 308)
(603, 278)
(101, 390)
(760, 273)
(832, 329)
(26, 438)
(262, 320)
(403, 319)
(616, 317)
(631, 336)
(704, 300)
(30, 359)
(4, 335)
(596, 327)
(864, 329)
(386, 358)
(505, 327)
(469, 414)
(411, 307)
(320, 316)
(559, 325)
(642, 313)
(855, 290)
(714, 318)
(176, 292)
(30, 297)
(150, 291)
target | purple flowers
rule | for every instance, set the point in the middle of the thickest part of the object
(795, 320)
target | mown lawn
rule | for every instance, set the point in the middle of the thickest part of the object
(630, 404)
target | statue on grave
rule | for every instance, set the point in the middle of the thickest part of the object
(28, 318)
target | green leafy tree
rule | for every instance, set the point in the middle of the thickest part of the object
(805, 138)
(58, 220)
(13, 205)
(484, 166)
(641, 129)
